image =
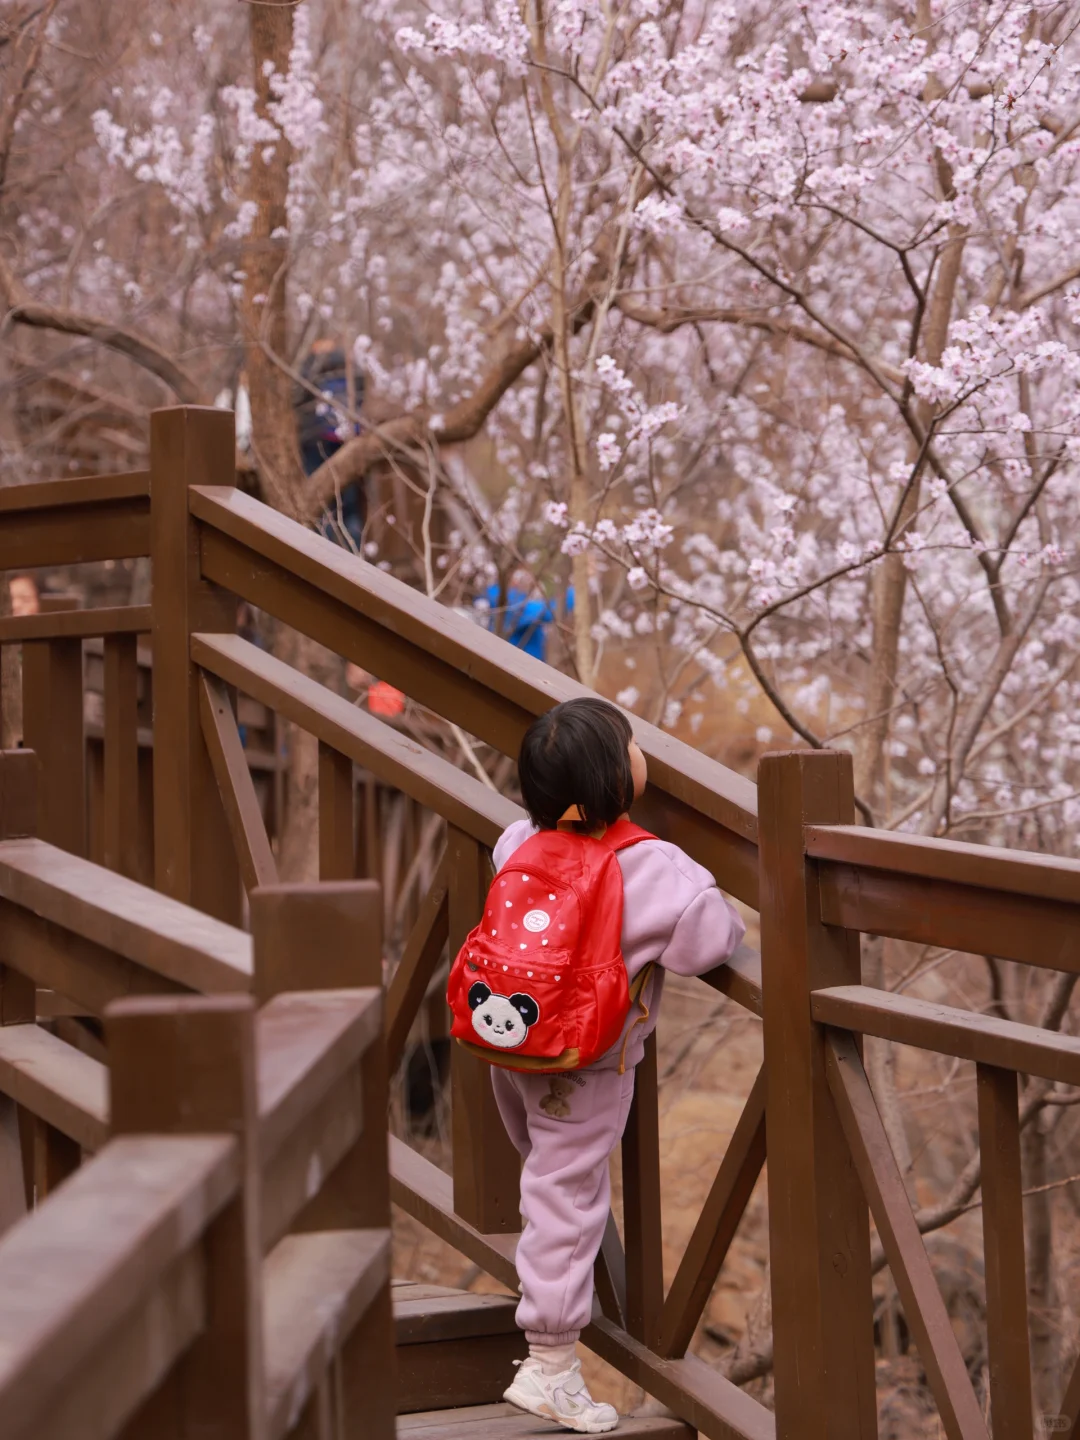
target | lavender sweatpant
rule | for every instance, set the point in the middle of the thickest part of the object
(565, 1128)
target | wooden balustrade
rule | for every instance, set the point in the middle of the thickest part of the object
(820, 880)
(231, 1278)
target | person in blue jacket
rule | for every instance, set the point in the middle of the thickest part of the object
(521, 620)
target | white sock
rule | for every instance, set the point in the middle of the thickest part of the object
(553, 1359)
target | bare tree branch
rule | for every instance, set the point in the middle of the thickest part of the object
(667, 321)
(461, 422)
(21, 310)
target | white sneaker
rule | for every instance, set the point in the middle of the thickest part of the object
(563, 1398)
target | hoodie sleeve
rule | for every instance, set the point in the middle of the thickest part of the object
(513, 836)
(705, 935)
(673, 913)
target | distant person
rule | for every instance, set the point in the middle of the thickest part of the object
(23, 591)
(521, 619)
(323, 426)
(557, 988)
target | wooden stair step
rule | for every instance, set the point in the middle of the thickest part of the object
(316, 1287)
(56, 1082)
(454, 1348)
(506, 1422)
(425, 1313)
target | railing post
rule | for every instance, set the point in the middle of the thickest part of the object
(487, 1169)
(186, 1066)
(53, 730)
(120, 761)
(193, 853)
(18, 995)
(819, 1232)
(337, 817)
(329, 937)
(641, 1205)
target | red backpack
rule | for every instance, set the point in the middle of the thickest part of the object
(540, 984)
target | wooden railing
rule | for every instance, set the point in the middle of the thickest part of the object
(222, 1264)
(788, 847)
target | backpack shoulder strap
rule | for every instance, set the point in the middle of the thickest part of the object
(623, 834)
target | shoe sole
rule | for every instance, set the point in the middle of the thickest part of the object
(544, 1411)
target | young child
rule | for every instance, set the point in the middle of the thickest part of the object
(580, 768)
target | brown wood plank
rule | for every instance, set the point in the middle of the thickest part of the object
(427, 1194)
(76, 624)
(194, 861)
(924, 1309)
(53, 729)
(304, 1044)
(739, 978)
(992, 867)
(1008, 1341)
(315, 1289)
(643, 1227)
(337, 816)
(76, 535)
(75, 1268)
(120, 763)
(459, 670)
(819, 1229)
(178, 942)
(325, 936)
(950, 1031)
(332, 1172)
(304, 1164)
(56, 959)
(456, 1372)
(74, 491)
(455, 1315)
(235, 785)
(487, 1168)
(423, 950)
(56, 1159)
(715, 1230)
(506, 1422)
(952, 915)
(55, 1082)
(609, 1273)
(97, 1397)
(187, 1066)
(396, 759)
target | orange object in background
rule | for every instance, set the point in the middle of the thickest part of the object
(383, 699)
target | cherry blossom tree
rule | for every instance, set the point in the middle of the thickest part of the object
(755, 323)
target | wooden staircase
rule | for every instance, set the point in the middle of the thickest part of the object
(455, 1353)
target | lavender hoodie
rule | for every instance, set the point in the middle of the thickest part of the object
(673, 914)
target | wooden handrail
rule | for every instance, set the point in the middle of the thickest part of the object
(1012, 872)
(457, 668)
(461, 799)
(79, 490)
(95, 1257)
(76, 624)
(986, 1039)
(123, 918)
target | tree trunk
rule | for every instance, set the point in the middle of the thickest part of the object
(264, 315)
(264, 308)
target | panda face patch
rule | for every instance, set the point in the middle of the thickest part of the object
(501, 1020)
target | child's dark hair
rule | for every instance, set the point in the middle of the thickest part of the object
(576, 754)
